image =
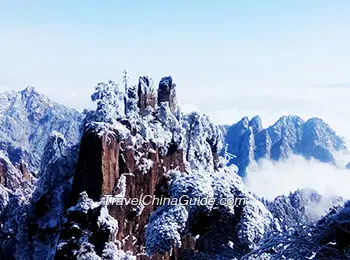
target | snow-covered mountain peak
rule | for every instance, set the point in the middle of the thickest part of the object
(256, 124)
(289, 135)
(26, 120)
(29, 90)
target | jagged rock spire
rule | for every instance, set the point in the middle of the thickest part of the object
(167, 93)
(146, 93)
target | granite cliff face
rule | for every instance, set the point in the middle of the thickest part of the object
(247, 141)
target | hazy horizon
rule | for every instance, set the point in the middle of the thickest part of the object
(229, 60)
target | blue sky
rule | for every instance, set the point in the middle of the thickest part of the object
(229, 58)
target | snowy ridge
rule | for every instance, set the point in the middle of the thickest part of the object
(32, 225)
(327, 239)
(29, 144)
(248, 223)
(302, 207)
(247, 141)
(27, 118)
(163, 125)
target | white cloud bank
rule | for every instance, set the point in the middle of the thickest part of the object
(270, 179)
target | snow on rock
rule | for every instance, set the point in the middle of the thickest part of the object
(170, 123)
(167, 93)
(218, 222)
(84, 204)
(16, 178)
(328, 238)
(165, 228)
(16, 187)
(53, 149)
(108, 223)
(163, 125)
(254, 222)
(203, 141)
(112, 252)
(248, 142)
(4, 198)
(302, 207)
(87, 231)
(110, 102)
(194, 185)
(254, 218)
(319, 141)
(131, 100)
(147, 98)
(43, 212)
(26, 120)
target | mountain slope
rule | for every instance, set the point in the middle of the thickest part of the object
(27, 122)
(247, 141)
(27, 118)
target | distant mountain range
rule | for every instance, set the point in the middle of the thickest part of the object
(246, 142)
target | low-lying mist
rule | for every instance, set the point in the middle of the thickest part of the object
(269, 179)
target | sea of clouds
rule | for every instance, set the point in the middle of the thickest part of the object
(270, 179)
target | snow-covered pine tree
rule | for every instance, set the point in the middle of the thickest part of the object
(110, 102)
(130, 97)
(125, 78)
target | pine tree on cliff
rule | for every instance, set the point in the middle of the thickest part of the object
(125, 78)
(130, 97)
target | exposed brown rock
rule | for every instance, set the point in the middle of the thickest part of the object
(25, 171)
(8, 176)
(102, 161)
(97, 166)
